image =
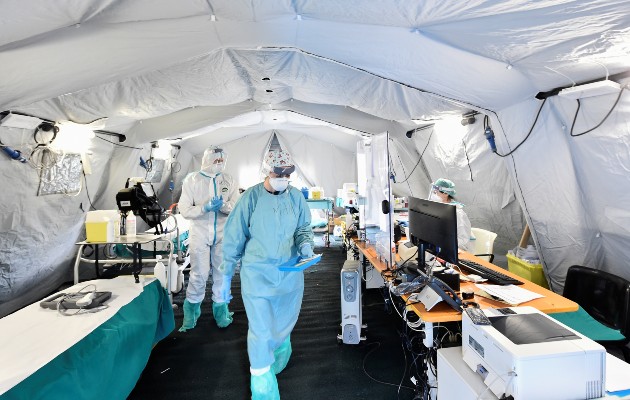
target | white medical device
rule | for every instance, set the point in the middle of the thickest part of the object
(528, 355)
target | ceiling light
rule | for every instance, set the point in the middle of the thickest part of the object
(590, 89)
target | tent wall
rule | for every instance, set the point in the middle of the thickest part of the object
(462, 155)
(573, 190)
(37, 244)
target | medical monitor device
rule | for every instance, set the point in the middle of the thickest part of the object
(526, 354)
(433, 228)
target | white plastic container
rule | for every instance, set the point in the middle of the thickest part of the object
(176, 276)
(160, 271)
(130, 224)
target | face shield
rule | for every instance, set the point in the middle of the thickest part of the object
(213, 162)
(440, 188)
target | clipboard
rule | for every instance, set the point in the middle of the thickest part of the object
(302, 264)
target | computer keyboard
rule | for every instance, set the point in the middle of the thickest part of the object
(491, 275)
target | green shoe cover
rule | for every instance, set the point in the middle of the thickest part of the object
(222, 315)
(192, 311)
(282, 355)
(265, 387)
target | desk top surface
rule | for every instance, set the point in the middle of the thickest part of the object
(442, 312)
(124, 239)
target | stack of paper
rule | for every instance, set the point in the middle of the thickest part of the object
(511, 294)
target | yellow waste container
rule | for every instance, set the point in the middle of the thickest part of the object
(531, 272)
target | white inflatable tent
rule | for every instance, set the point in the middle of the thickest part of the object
(321, 75)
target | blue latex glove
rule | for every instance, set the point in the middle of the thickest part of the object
(214, 205)
(306, 251)
(224, 291)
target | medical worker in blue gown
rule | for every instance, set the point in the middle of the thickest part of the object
(208, 196)
(269, 226)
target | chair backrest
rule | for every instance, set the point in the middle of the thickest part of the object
(484, 242)
(606, 297)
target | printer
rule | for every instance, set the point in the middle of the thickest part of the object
(528, 355)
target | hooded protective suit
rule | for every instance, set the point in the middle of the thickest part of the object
(208, 196)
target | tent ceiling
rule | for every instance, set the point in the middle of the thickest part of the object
(136, 60)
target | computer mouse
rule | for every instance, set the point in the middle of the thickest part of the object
(474, 278)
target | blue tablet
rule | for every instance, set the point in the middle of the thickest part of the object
(302, 264)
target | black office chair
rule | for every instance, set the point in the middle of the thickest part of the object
(604, 300)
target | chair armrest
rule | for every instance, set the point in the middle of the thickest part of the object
(486, 255)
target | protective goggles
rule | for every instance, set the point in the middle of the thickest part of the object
(288, 170)
(439, 189)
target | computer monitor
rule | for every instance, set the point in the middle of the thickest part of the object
(433, 228)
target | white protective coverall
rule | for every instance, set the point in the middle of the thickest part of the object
(206, 229)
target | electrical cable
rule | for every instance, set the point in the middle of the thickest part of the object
(378, 344)
(117, 144)
(420, 158)
(86, 190)
(600, 123)
(468, 161)
(531, 129)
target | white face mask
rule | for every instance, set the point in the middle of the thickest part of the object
(279, 184)
(435, 197)
(217, 168)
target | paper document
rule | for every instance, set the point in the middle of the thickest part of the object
(617, 373)
(511, 294)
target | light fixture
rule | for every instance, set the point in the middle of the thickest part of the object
(590, 89)
(468, 119)
(12, 120)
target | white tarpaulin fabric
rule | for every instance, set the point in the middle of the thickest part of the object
(223, 72)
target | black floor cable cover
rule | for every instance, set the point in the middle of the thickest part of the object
(211, 363)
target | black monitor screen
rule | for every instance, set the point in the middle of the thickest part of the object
(434, 226)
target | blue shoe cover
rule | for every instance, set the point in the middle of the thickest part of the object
(265, 387)
(222, 315)
(282, 355)
(192, 311)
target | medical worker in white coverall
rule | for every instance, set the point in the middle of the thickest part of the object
(208, 196)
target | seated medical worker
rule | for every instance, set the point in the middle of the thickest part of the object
(207, 198)
(269, 226)
(443, 190)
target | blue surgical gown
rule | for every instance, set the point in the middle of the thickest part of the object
(265, 231)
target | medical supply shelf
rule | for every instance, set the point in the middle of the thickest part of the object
(323, 204)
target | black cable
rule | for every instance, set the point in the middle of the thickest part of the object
(117, 144)
(381, 382)
(419, 159)
(468, 160)
(600, 123)
(86, 189)
(528, 133)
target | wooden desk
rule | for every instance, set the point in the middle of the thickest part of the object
(442, 312)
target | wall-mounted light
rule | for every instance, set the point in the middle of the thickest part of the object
(161, 150)
(73, 137)
(468, 119)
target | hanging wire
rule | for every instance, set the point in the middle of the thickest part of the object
(419, 158)
(600, 123)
